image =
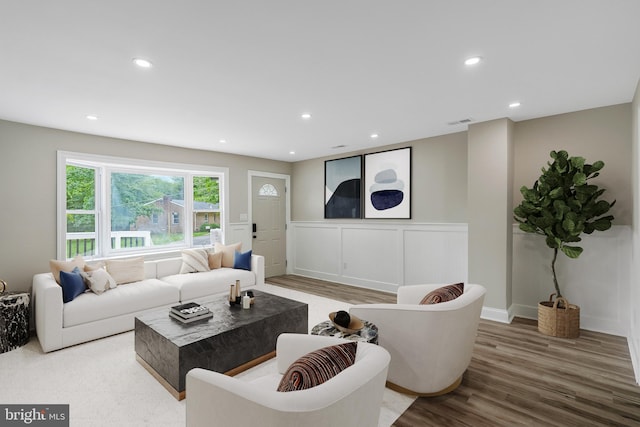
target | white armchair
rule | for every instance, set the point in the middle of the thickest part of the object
(430, 345)
(351, 398)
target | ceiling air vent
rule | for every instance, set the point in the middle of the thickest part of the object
(335, 147)
(460, 122)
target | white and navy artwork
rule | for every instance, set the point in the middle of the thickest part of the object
(342, 184)
(387, 184)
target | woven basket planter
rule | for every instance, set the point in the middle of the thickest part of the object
(559, 318)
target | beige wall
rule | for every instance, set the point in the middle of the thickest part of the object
(634, 303)
(28, 188)
(490, 229)
(28, 164)
(439, 181)
(596, 134)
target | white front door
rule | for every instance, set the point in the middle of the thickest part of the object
(268, 213)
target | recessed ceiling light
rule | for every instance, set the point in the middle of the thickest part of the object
(374, 135)
(473, 60)
(92, 117)
(142, 63)
(306, 116)
(292, 152)
(223, 141)
(514, 104)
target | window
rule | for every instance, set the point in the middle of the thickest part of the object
(116, 206)
(81, 210)
(268, 190)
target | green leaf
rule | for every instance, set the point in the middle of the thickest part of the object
(579, 179)
(561, 207)
(571, 251)
(526, 227)
(529, 195)
(574, 204)
(601, 207)
(597, 166)
(587, 189)
(556, 193)
(602, 224)
(577, 162)
(569, 225)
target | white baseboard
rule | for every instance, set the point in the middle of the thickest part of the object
(526, 311)
(635, 358)
(496, 314)
(347, 280)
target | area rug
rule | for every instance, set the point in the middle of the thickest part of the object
(105, 386)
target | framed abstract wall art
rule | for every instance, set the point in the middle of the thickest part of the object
(387, 184)
(342, 184)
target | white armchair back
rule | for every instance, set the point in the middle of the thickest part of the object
(351, 398)
(430, 345)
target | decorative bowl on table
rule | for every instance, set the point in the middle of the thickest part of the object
(355, 324)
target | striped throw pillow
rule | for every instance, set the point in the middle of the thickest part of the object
(443, 294)
(319, 366)
(194, 260)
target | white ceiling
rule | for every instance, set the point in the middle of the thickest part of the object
(244, 71)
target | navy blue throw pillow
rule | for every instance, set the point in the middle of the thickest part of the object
(242, 260)
(72, 285)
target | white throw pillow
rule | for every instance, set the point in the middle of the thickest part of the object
(98, 280)
(126, 270)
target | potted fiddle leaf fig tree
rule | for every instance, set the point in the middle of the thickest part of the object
(561, 206)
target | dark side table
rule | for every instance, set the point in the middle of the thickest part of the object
(14, 320)
(369, 333)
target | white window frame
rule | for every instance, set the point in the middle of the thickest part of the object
(104, 165)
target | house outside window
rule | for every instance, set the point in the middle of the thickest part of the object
(118, 205)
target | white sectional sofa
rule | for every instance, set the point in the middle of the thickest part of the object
(90, 316)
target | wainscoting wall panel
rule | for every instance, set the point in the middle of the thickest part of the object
(598, 281)
(384, 256)
(380, 256)
(372, 255)
(316, 250)
(435, 254)
(239, 232)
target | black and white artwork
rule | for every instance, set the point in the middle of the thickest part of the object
(342, 184)
(387, 184)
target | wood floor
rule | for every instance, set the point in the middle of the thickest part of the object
(519, 377)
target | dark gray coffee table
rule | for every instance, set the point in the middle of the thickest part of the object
(233, 340)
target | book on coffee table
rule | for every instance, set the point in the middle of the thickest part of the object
(206, 315)
(189, 310)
